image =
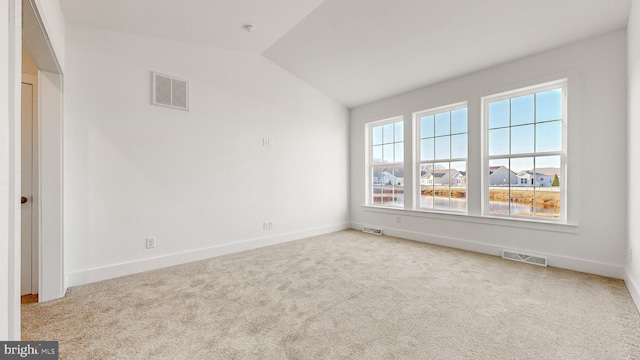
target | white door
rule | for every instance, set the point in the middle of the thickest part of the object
(29, 283)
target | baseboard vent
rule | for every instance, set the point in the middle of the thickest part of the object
(371, 230)
(530, 259)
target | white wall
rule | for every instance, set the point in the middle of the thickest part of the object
(633, 263)
(201, 181)
(595, 241)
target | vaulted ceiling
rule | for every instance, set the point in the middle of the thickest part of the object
(359, 51)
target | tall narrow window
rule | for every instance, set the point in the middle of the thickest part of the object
(386, 163)
(442, 172)
(525, 145)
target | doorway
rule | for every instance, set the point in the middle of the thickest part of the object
(47, 198)
(29, 184)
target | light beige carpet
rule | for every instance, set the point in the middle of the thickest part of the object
(345, 295)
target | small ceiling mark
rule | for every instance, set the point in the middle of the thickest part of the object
(249, 27)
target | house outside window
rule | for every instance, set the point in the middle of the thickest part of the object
(525, 152)
(442, 158)
(386, 163)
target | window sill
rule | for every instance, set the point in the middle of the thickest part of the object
(541, 225)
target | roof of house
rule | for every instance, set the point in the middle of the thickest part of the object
(440, 172)
(540, 172)
(549, 171)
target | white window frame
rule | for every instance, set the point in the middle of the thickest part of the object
(369, 164)
(418, 162)
(485, 100)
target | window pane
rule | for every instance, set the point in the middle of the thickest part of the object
(549, 136)
(377, 185)
(549, 105)
(548, 193)
(499, 114)
(459, 121)
(443, 123)
(460, 173)
(548, 162)
(376, 175)
(387, 153)
(499, 174)
(426, 197)
(399, 152)
(459, 146)
(522, 139)
(398, 175)
(426, 149)
(522, 110)
(425, 168)
(521, 165)
(426, 186)
(522, 195)
(387, 133)
(458, 200)
(376, 154)
(426, 126)
(398, 131)
(499, 141)
(547, 170)
(441, 183)
(377, 135)
(443, 147)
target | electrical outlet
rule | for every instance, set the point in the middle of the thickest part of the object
(270, 225)
(150, 242)
(398, 220)
(267, 225)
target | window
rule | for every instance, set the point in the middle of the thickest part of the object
(386, 163)
(442, 154)
(525, 152)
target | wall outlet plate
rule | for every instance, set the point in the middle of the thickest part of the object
(150, 242)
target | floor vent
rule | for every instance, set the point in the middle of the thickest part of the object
(531, 259)
(371, 230)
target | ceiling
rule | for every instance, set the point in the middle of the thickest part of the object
(216, 23)
(359, 51)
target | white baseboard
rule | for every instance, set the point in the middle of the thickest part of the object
(564, 262)
(634, 288)
(117, 270)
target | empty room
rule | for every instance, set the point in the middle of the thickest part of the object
(320, 179)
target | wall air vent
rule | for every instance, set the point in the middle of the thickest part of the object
(371, 230)
(530, 259)
(169, 91)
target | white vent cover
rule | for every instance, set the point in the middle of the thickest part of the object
(530, 259)
(372, 230)
(169, 91)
